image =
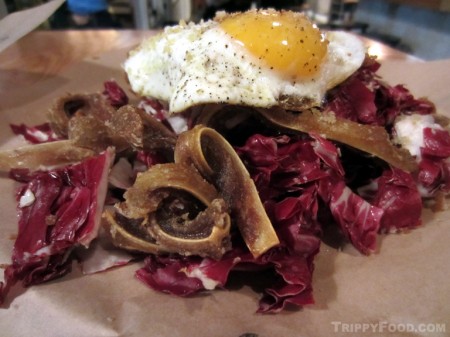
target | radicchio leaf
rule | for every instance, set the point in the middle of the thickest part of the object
(64, 213)
(398, 196)
(41, 133)
(115, 94)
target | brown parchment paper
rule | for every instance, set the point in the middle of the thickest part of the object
(405, 286)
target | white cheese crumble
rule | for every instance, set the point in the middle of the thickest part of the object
(27, 199)
(42, 136)
(208, 283)
(197, 272)
(409, 131)
(42, 252)
(178, 124)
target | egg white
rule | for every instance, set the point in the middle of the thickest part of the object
(193, 64)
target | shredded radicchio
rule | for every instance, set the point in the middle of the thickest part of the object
(434, 167)
(366, 99)
(57, 210)
(291, 175)
(115, 94)
(300, 178)
(35, 134)
(305, 182)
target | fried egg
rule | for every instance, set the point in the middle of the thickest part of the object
(258, 58)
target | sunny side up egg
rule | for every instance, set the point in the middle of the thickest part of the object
(259, 58)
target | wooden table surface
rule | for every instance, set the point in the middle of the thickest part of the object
(43, 53)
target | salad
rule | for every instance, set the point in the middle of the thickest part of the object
(223, 187)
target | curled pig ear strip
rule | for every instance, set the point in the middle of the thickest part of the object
(368, 138)
(171, 208)
(71, 105)
(215, 158)
(128, 234)
(42, 156)
(371, 139)
(91, 121)
(142, 131)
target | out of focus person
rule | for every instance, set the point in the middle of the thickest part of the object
(212, 6)
(280, 4)
(88, 14)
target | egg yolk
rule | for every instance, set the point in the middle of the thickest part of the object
(285, 41)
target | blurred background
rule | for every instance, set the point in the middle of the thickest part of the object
(418, 27)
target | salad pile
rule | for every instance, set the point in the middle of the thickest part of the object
(255, 195)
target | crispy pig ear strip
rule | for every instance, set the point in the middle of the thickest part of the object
(71, 105)
(84, 119)
(368, 138)
(129, 234)
(142, 130)
(41, 156)
(91, 121)
(88, 132)
(126, 127)
(171, 208)
(215, 158)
